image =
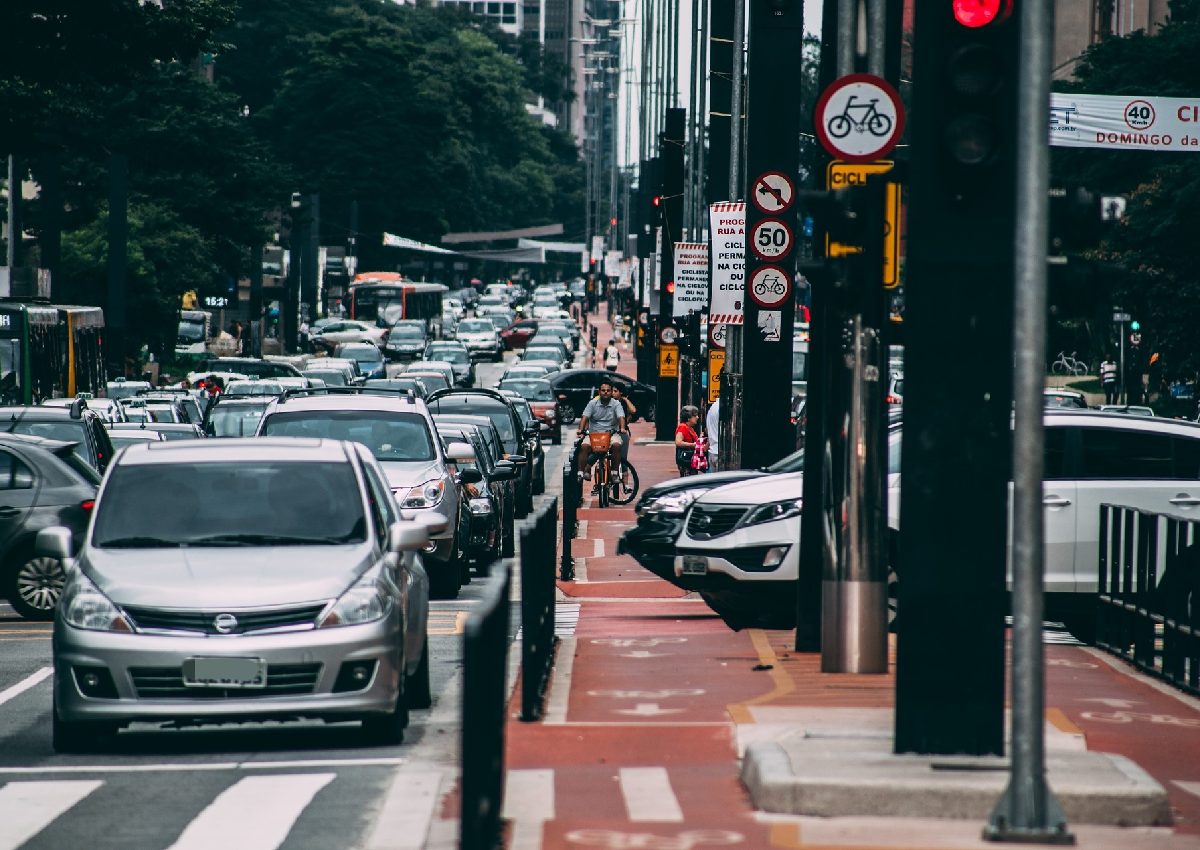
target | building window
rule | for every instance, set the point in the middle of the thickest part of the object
(1105, 23)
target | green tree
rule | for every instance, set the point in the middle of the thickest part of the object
(1146, 263)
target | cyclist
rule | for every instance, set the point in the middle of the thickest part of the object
(601, 415)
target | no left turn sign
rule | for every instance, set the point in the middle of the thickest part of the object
(773, 192)
(859, 118)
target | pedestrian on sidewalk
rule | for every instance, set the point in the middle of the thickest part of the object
(712, 429)
(685, 439)
(1108, 378)
(626, 436)
(612, 355)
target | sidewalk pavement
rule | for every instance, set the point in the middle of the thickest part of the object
(733, 738)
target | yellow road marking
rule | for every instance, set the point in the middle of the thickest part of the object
(1062, 723)
(447, 622)
(783, 684)
(25, 631)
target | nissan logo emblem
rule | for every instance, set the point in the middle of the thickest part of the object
(225, 623)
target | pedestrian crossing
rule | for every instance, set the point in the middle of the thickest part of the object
(253, 813)
(566, 620)
(647, 795)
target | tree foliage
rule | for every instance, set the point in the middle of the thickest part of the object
(1146, 263)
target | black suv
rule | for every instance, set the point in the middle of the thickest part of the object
(43, 483)
(508, 422)
(75, 424)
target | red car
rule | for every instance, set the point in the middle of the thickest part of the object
(518, 334)
(542, 402)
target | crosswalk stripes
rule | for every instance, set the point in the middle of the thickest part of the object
(566, 620)
(27, 807)
(648, 795)
(255, 813)
(529, 800)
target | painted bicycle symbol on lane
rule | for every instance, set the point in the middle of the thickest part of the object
(687, 840)
(871, 120)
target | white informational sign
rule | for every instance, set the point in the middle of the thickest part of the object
(657, 259)
(1124, 122)
(727, 224)
(583, 262)
(647, 276)
(597, 248)
(691, 277)
(612, 263)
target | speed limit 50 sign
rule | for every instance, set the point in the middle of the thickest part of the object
(771, 239)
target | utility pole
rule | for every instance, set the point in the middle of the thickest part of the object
(772, 159)
(671, 147)
(118, 264)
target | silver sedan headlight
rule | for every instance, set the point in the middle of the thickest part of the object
(85, 607)
(365, 602)
(427, 495)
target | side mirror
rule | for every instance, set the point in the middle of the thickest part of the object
(434, 523)
(504, 473)
(533, 429)
(518, 460)
(470, 476)
(407, 536)
(53, 542)
(460, 452)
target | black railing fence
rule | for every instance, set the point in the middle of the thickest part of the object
(572, 495)
(1148, 609)
(485, 692)
(537, 605)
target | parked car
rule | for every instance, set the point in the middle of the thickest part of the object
(542, 402)
(576, 387)
(44, 484)
(489, 522)
(1069, 399)
(205, 592)
(507, 421)
(505, 486)
(532, 430)
(75, 424)
(480, 338)
(399, 432)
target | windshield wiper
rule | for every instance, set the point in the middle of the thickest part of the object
(262, 540)
(139, 543)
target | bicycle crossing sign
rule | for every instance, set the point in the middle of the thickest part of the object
(770, 286)
(773, 192)
(859, 118)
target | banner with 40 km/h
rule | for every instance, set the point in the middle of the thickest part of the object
(1124, 122)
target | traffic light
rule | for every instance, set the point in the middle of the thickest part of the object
(1135, 326)
(656, 200)
(670, 287)
(978, 75)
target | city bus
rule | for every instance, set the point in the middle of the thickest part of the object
(385, 298)
(49, 351)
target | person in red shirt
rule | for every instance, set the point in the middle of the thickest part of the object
(685, 439)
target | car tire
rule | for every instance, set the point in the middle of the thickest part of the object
(387, 730)
(444, 580)
(78, 737)
(417, 687)
(33, 584)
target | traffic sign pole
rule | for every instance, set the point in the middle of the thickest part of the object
(772, 161)
(671, 153)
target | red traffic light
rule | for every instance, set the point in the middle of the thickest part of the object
(980, 13)
(670, 287)
(657, 200)
(612, 222)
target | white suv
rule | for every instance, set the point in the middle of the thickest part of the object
(740, 543)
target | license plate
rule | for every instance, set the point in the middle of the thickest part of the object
(225, 673)
(693, 566)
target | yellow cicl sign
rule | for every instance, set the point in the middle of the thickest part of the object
(842, 175)
(668, 361)
(716, 362)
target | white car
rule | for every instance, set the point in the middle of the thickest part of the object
(740, 543)
(347, 330)
(480, 338)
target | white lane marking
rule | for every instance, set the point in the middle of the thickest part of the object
(598, 547)
(560, 682)
(1122, 667)
(1190, 787)
(26, 808)
(648, 795)
(25, 684)
(170, 767)
(407, 813)
(528, 803)
(254, 814)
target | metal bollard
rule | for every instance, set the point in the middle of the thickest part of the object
(566, 566)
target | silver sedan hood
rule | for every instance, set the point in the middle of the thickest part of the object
(226, 577)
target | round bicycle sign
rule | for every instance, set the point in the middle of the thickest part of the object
(771, 239)
(859, 118)
(717, 334)
(769, 286)
(668, 334)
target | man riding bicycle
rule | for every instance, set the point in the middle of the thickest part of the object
(603, 415)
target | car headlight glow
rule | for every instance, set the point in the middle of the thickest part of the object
(365, 602)
(480, 507)
(427, 495)
(85, 607)
(672, 504)
(773, 511)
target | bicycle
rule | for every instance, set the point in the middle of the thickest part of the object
(1068, 365)
(610, 482)
(873, 121)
